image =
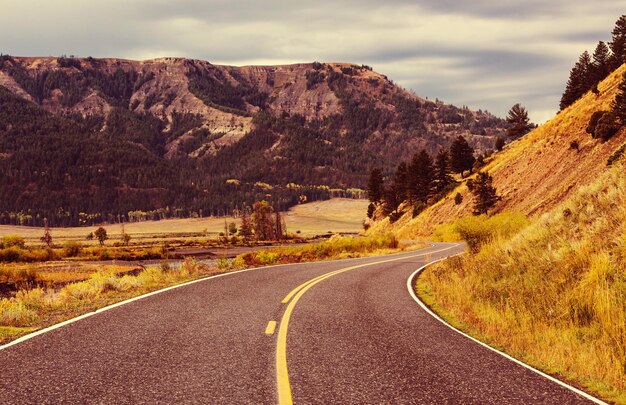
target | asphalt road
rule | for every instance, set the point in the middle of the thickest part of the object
(354, 336)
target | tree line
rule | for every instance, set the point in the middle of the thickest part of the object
(590, 70)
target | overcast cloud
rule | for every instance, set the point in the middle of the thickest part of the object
(483, 54)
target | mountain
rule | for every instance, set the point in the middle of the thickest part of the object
(83, 140)
(538, 172)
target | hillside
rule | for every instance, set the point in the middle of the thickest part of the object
(551, 289)
(537, 172)
(86, 140)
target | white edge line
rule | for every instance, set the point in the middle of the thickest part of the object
(139, 297)
(410, 283)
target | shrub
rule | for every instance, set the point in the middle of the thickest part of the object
(593, 122)
(13, 240)
(72, 249)
(458, 199)
(418, 207)
(616, 155)
(574, 145)
(15, 313)
(607, 127)
(499, 143)
(478, 230)
(11, 254)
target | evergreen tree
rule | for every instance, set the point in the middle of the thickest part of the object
(520, 123)
(402, 181)
(396, 192)
(245, 230)
(499, 143)
(581, 80)
(375, 186)
(618, 106)
(370, 210)
(278, 226)
(485, 196)
(461, 155)
(618, 44)
(442, 170)
(601, 65)
(421, 177)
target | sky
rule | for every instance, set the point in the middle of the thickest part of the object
(484, 54)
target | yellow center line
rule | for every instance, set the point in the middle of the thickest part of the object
(271, 326)
(282, 373)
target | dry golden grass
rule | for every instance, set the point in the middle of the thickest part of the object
(36, 308)
(554, 293)
(535, 173)
(337, 247)
(335, 215)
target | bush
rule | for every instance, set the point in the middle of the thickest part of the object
(593, 122)
(478, 230)
(12, 254)
(72, 249)
(458, 199)
(616, 155)
(607, 127)
(13, 240)
(418, 207)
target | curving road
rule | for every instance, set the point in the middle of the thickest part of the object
(349, 332)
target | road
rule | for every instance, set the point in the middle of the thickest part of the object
(352, 335)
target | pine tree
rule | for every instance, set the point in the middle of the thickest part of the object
(442, 170)
(485, 196)
(245, 230)
(278, 226)
(618, 44)
(581, 80)
(371, 208)
(601, 65)
(375, 186)
(618, 106)
(520, 123)
(402, 181)
(421, 177)
(461, 156)
(499, 143)
(396, 192)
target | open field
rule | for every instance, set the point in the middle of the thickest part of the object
(335, 215)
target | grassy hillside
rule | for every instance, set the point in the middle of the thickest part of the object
(536, 172)
(553, 293)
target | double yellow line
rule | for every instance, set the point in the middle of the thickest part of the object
(282, 374)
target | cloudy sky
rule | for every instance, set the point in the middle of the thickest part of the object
(486, 54)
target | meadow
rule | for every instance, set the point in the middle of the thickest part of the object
(41, 285)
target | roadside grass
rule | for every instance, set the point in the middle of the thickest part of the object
(32, 309)
(36, 308)
(552, 293)
(337, 247)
